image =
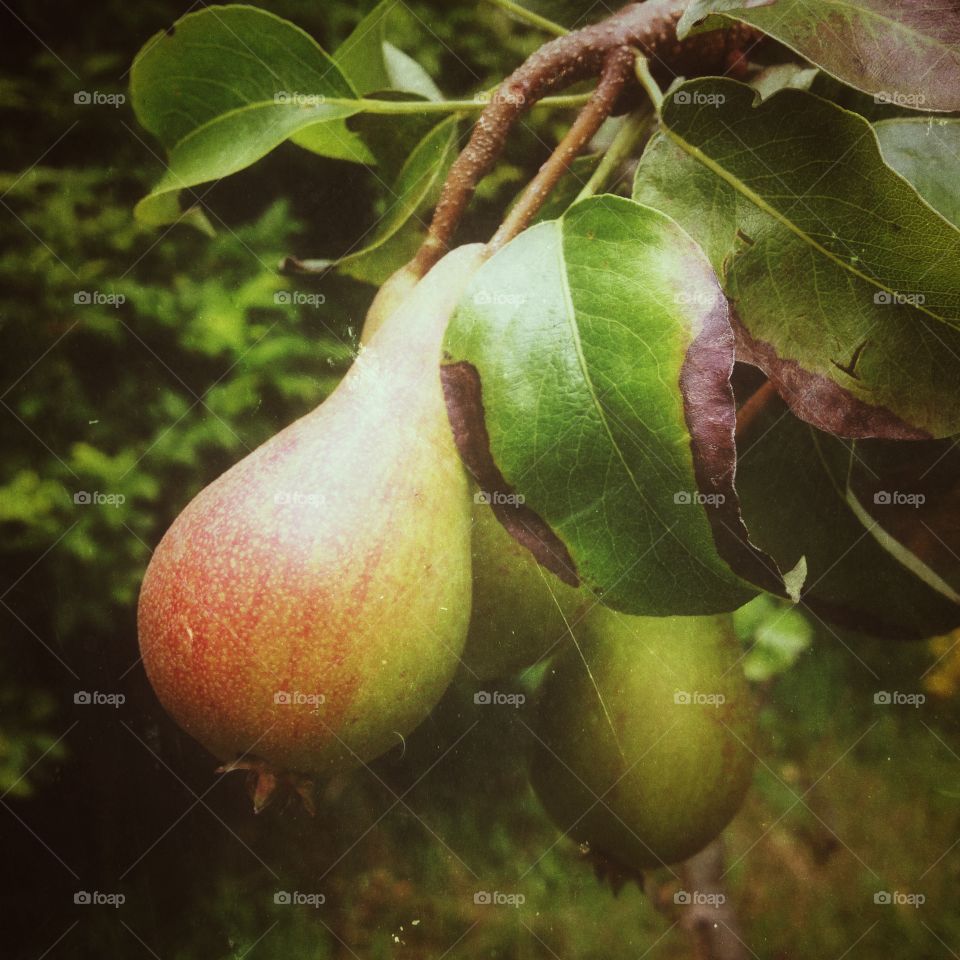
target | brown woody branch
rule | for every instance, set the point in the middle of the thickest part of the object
(649, 27)
(616, 70)
(709, 918)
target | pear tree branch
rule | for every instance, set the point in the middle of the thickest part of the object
(709, 918)
(616, 70)
(753, 407)
(649, 27)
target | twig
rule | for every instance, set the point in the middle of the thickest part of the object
(650, 26)
(645, 77)
(475, 105)
(622, 146)
(709, 916)
(754, 406)
(616, 70)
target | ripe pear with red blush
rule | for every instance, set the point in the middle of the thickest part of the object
(308, 608)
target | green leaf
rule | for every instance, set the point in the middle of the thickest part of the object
(878, 569)
(907, 497)
(783, 75)
(844, 281)
(399, 232)
(372, 63)
(926, 151)
(392, 138)
(777, 633)
(407, 75)
(360, 56)
(598, 350)
(225, 86)
(901, 51)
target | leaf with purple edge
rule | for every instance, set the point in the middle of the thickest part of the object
(902, 51)
(843, 278)
(587, 374)
(875, 520)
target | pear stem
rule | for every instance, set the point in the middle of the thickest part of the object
(616, 70)
(646, 80)
(650, 27)
(627, 138)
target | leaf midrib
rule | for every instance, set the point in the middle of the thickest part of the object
(737, 184)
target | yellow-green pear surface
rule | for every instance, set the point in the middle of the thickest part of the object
(644, 737)
(521, 610)
(395, 290)
(310, 606)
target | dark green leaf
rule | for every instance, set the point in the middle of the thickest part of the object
(844, 281)
(926, 151)
(400, 230)
(901, 51)
(877, 568)
(372, 63)
(600, 348)
(225, 86)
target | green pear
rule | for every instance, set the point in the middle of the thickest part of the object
(521, 610)
(643, 743)
(309, 607)
(395, 290)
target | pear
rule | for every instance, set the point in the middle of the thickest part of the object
(521, 611)
(643, 745)
(394, 291)
(308, 608)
